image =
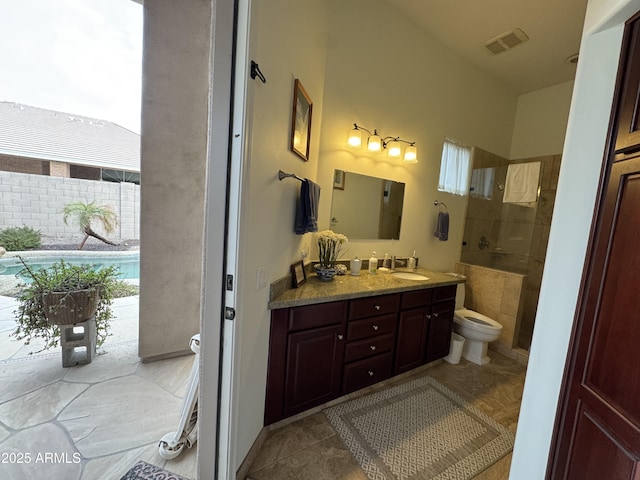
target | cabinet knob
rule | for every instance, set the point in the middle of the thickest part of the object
(377, 307)
(435, 315)
(370, 373)
(340, 337)
(428, 316)
(376, 327)
(373, 348)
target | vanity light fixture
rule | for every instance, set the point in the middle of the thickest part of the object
(376, 143)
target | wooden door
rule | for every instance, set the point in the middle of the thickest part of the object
(628, 123)
(600, 428)
(598, 424)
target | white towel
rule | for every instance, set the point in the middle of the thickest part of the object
(521, 185)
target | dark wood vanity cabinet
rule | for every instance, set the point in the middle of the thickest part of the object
(319, 352)
(424, 327)
(306, 351)
(370, 338)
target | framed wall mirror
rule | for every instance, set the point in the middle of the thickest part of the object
(366, 208)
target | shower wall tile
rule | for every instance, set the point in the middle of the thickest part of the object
(497, 294)
(513, 287)
(507, 336)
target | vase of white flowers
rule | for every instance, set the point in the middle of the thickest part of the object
(329, 248)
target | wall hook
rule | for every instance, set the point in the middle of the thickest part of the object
(255, 72)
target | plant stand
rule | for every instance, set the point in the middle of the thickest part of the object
(78, 342)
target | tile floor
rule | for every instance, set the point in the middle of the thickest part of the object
(99, 419)
(311, 448)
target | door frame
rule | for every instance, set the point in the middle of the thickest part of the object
(227, 126)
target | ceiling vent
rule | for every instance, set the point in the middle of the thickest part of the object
(506, 41)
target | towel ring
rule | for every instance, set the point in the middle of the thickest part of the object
(438, 204)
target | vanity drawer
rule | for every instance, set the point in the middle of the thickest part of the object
(444, 293)
(366, 307)
(368, 347)
(320, 315)
(369, 327)
(416, 298)
(361, 374)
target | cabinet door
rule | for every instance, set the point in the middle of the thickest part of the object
(412, 332)
(313, 368)
(439, 334)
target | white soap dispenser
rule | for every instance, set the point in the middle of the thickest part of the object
(412, 260)
(355, 264)
(373, 264)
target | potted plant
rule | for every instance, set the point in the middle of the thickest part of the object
(64, 294)
(329, 248)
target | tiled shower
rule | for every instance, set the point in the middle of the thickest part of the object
(510, 237)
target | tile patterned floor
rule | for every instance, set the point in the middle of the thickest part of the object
(95, 421)
(311, 448)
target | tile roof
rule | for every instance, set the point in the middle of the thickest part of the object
(65, 137)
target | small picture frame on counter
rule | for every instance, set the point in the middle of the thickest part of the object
(298, 275)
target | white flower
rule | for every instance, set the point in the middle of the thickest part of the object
(329, 247)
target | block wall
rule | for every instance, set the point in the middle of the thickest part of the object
(37, 201)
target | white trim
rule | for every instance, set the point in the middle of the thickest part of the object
(212, 441)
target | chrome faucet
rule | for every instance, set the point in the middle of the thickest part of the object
(396, 262)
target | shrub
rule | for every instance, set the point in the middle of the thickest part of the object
(61, 277)
(20, 238)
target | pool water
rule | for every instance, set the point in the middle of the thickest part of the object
(129, 265)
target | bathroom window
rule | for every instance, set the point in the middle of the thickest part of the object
(455, 168)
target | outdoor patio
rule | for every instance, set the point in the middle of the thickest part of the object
(92, 421)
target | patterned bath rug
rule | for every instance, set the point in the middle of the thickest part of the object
(146, 471)
(417, 431)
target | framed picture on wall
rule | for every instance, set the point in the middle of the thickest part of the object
(301, 121)
(338, 179)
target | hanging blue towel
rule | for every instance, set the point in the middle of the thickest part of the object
(307, 208)
(442, 227)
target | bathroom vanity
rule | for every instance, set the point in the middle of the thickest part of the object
(329, 339)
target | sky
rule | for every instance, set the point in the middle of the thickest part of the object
(75, 56)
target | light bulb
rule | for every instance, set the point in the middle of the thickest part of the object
(355, 138)
(375, 143)
(394, 150)
(411, 154)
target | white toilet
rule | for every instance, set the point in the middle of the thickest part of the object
(477, 329)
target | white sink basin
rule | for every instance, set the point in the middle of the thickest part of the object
(409, 276)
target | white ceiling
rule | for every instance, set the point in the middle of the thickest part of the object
(554, 28)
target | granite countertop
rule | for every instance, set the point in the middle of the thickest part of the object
(344, 287)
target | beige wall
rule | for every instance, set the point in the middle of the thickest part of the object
(378, 79)
(173, 159)
(541, 121)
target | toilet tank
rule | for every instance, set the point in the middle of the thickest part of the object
(459, 290)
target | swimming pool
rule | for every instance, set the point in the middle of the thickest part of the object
(127, 262)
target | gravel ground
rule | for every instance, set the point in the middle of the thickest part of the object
(93, 245)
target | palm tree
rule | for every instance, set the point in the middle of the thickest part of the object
(84, 214)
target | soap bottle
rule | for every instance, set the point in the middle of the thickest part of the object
(373, 264)
(412, 260)
(355, 265)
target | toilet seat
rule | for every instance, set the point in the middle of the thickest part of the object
(475, 321)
